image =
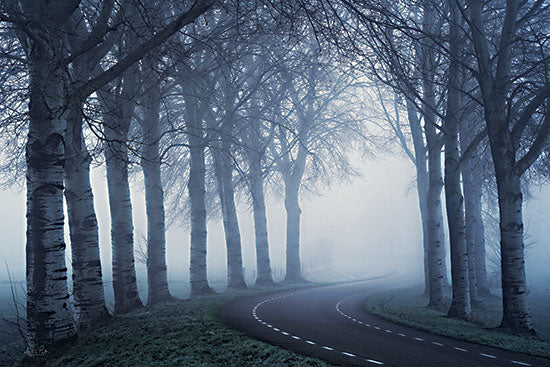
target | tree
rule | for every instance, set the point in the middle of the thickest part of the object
(522, 28)
(157, 278)
(317, 123)
(460, 303)
(40, 30)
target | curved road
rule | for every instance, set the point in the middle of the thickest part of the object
(330, 323)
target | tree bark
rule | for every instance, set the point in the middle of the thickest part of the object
(117, 115)
(436, 236)
(494, 86)
(471, 207)
(460, 303)
(516, 315)
(88, 292)
(224, 177)
(263, 264)
(293, 213)
(422, 183)
(49, 316)
(197, 196)
(480, 251)
(475, 236)
(157, 277)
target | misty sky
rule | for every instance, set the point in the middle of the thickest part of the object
(368, 226)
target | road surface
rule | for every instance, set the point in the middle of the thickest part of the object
(330, 323)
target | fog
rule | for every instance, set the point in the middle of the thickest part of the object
(365, 227)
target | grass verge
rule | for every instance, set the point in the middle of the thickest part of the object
(408, 307)
(182, 333)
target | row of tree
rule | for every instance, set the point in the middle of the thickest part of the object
(465, 71)
(259, 95)
(241, 99)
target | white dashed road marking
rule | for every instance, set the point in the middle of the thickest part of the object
(520, 363)
(373, 361)
(296, 337)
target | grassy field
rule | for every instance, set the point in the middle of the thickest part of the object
(182, 333)
(408, 307)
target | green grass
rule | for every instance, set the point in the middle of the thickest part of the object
(183, 333)
(408, 307)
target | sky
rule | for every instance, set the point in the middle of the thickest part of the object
(367, 227)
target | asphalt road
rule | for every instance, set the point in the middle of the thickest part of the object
(330, 323)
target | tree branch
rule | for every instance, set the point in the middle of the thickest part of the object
(138, 52)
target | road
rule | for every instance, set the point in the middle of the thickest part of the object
(330, 323)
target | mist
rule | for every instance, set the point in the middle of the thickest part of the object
(368, 226)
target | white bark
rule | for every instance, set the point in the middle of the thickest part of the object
(224, 177)
(436, 237)
(263, 264)
(460, 303)
(254, 154)
(494, 87)
(117, 115)
(471, 208)
(422, 182)
(157, 277)
(293, 213)
(49, 316)
(197, 196)
(88, 292)
(475, 238)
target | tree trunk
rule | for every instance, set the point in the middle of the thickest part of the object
(197, 196)
(263, 265)
(422, 182)
(88, 292)
(293, 212)
(436, 236)
(460, 303)
(516, 315)
(117, 123)
(157, 278)
(495, 89)
(475, 236)
(49, 316)
(224, 176)
(472, 201)
(479, 251)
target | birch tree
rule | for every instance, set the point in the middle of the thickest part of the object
(320, 122)
(157, 275)
(460, 303)
(515, 46)
(40, 26)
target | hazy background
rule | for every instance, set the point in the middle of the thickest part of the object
(369, 226)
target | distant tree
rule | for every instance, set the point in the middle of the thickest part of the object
(317, 124)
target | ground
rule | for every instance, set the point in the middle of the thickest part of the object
(408, 307)
(183, 333)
